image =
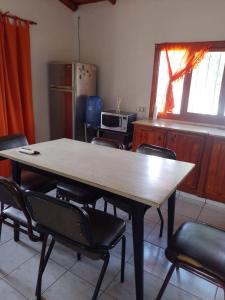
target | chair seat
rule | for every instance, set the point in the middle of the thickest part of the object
(105, 228)
(200, 245)
(78, 193)
(17, 216)
(36, 182)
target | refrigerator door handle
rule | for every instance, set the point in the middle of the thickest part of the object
(62, 87)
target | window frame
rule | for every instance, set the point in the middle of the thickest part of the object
(218, 119)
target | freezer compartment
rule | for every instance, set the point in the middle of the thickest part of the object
(61, 75)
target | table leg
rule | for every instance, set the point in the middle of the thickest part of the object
(171, 213)
(16, 172)
(138, 213)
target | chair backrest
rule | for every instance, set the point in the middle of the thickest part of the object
(12, 195)
(149, 149)
(12, 141)
(59, 218)
(107, 142)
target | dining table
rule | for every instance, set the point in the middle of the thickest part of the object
(140, 181)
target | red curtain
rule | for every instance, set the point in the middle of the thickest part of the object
(193, 53)
(16, 109)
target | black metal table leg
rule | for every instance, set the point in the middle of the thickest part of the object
(171, 213)
(16, 172)
(138, 212)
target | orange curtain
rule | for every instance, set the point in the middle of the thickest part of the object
(193, 53)
(16, 109)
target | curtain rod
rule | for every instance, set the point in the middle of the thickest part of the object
(16, 18)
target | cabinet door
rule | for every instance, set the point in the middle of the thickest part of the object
(189, 148)
(215, 182)
(148, 135)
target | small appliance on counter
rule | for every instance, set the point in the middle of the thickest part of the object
(118, 125)
(120, 122)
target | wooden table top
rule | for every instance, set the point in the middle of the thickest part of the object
(147, 179)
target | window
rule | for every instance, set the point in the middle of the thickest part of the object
(197, 80)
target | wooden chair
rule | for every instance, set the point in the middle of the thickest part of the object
(15, 213)
(154, 150)
(88, 231)
(199, 249)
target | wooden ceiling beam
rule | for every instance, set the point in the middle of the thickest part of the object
(70, 4)
(74, 4)
(112, 1)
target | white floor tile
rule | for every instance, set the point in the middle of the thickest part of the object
(24, 278)
(9, 293)
(89, 270)
(213, 215)
(63, 255)
(152, 284)
(155, 261)
(219, 294)
(69, 287)
(12, 255)
(7, 234)
(188, 207)
(197, 286)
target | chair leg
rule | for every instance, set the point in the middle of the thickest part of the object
(114, 211)
(129, 216)
(123, 258)
(166, 281)
(162, 222)
(1, 221)
(58, 195)
(2, 206)
(43, 262)
(78, 256)
(105, 206)
(101, 276)
(16, 232)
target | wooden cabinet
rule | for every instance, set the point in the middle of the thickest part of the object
(206, 151)
(215, 179)
(146, 135)
(188, 147)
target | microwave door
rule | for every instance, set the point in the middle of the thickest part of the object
(111, 121)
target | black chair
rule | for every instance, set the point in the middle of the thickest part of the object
(199, 249)
(154, 150)
(86, 230)
(15, 213)
(80, 193)
(29, 180)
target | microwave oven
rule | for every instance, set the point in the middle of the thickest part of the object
(121, 122)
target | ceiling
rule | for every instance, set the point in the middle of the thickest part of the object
(74, 4)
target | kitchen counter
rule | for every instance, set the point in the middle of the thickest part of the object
(183, 126)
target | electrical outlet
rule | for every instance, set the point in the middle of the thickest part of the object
(141, 109)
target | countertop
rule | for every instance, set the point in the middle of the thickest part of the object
(183, 126)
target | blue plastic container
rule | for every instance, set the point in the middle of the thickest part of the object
(93, 111)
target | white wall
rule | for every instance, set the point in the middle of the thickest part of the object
(120, 39)
(52, 39)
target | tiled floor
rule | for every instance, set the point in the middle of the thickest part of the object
(66, 278)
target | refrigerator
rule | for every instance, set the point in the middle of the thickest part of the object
(69, 86)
